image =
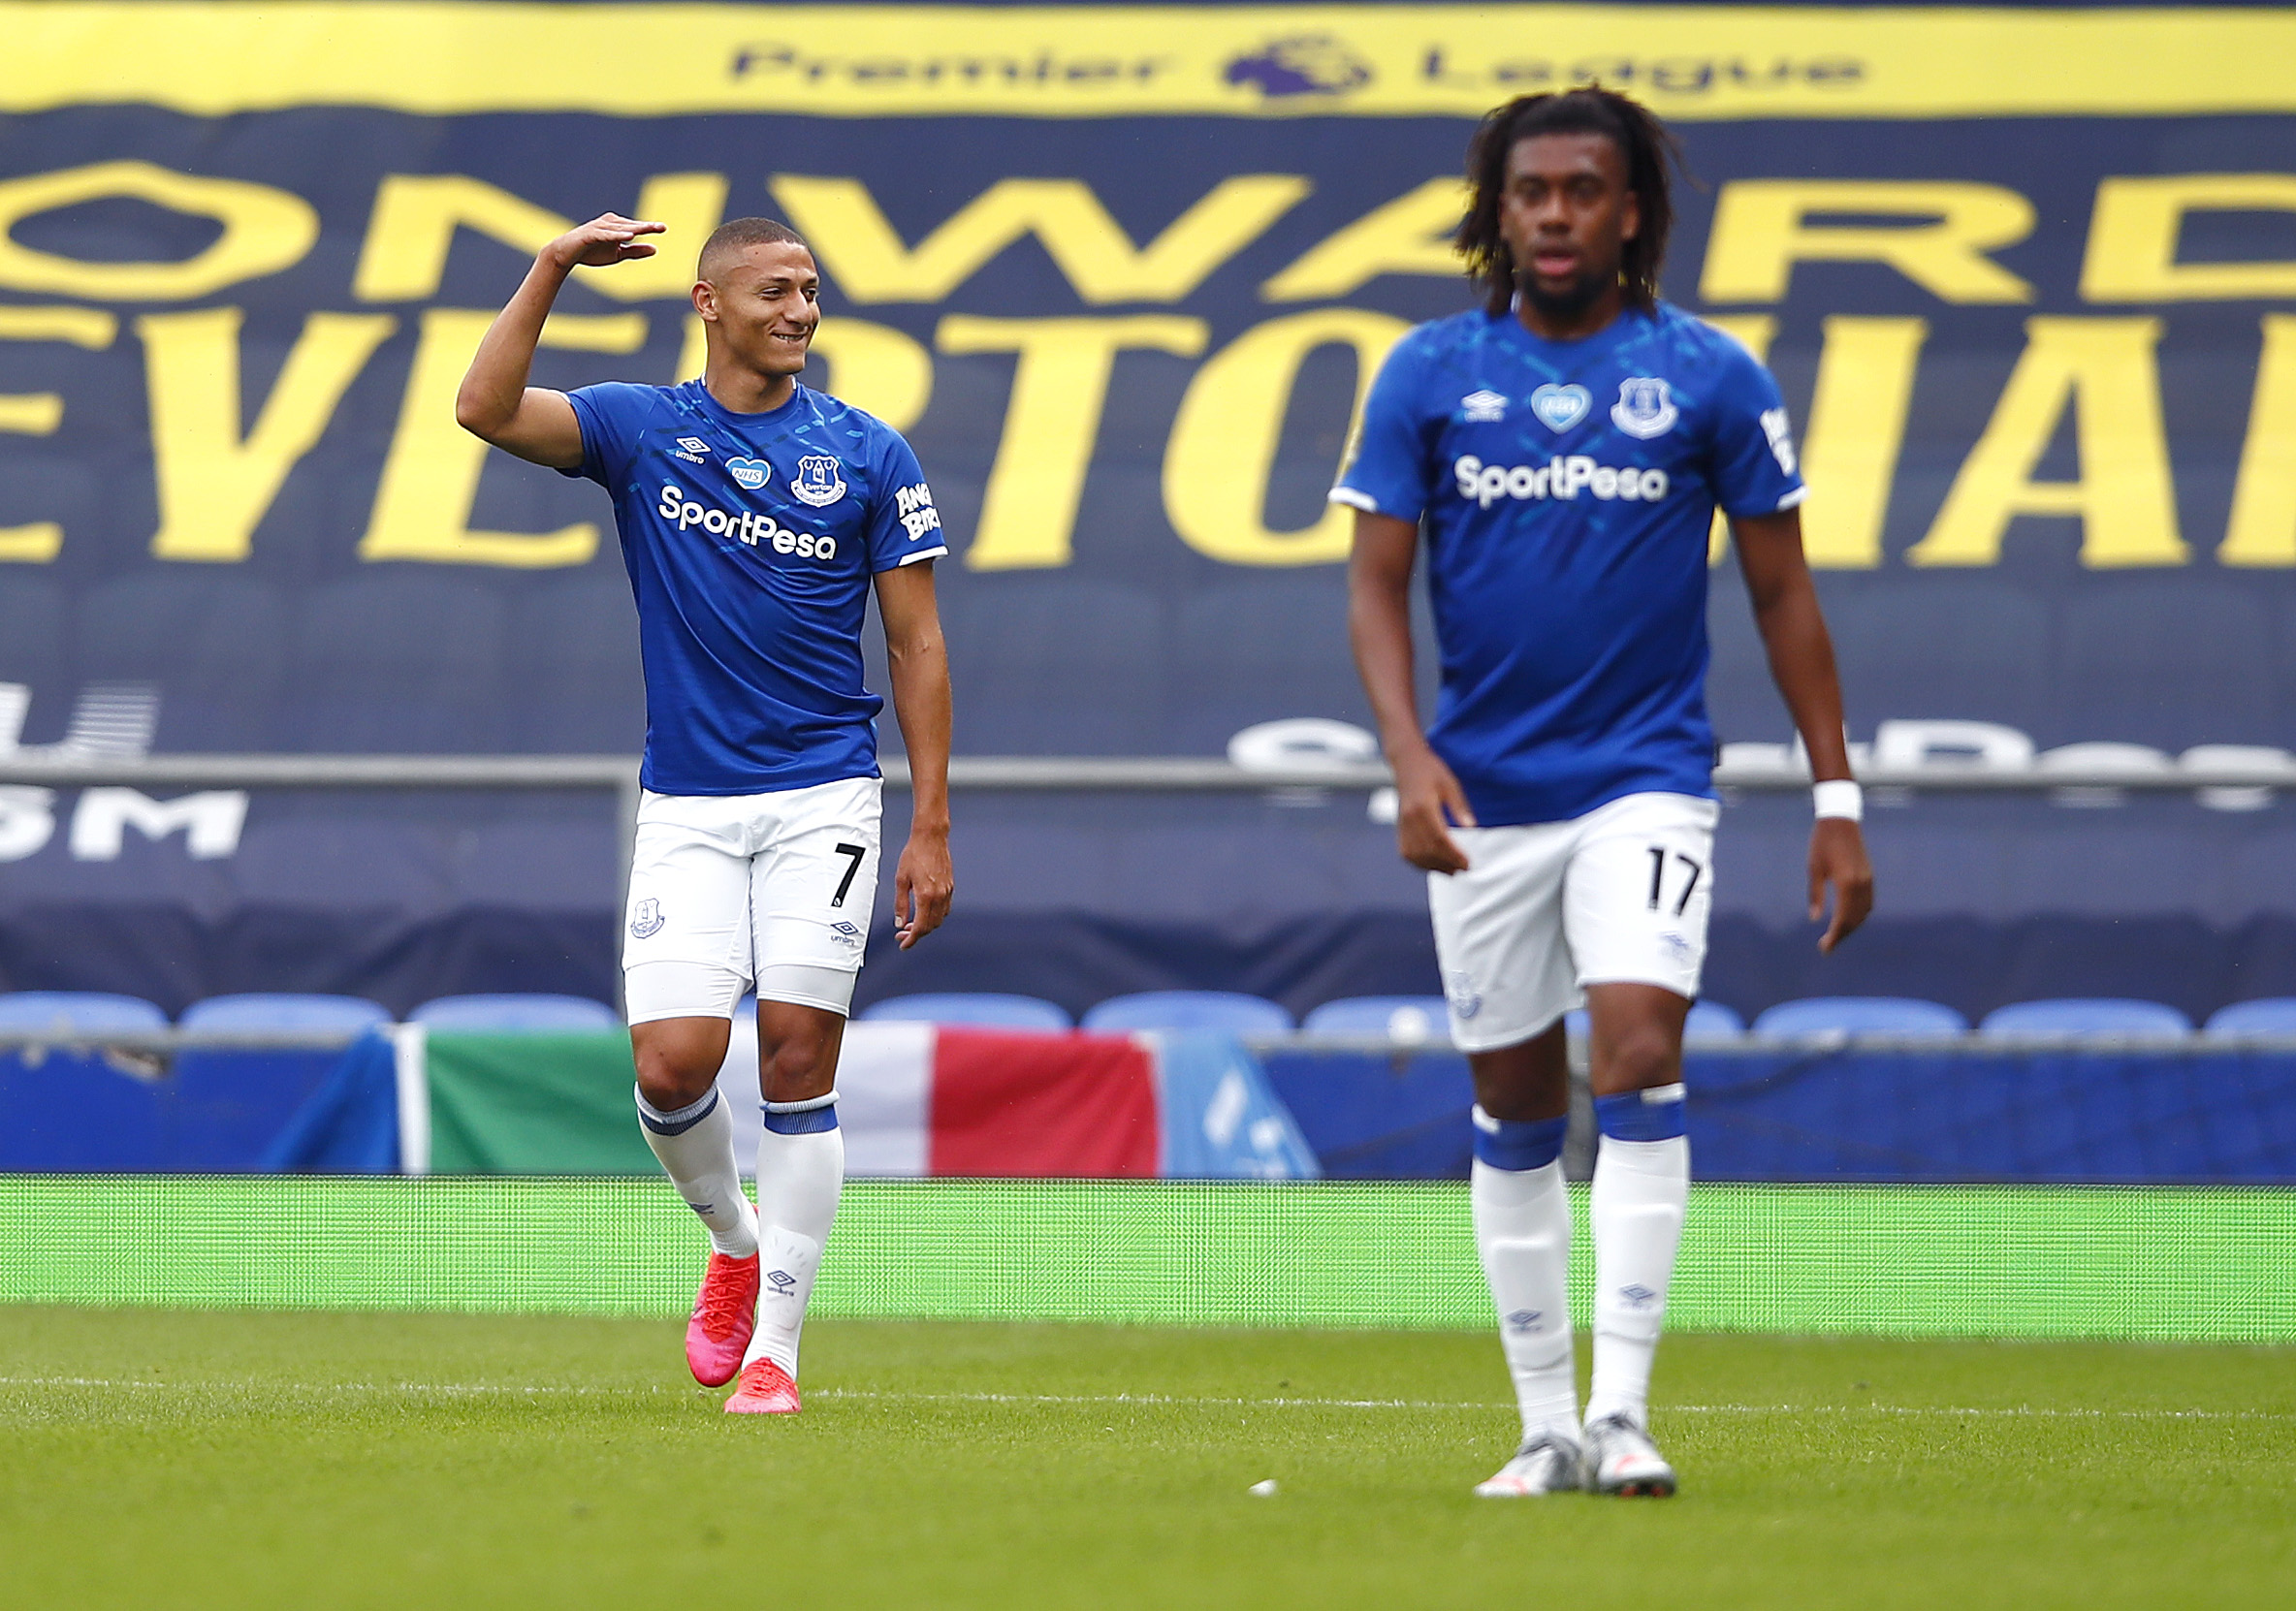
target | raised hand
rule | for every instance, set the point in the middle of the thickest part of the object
(605, 240)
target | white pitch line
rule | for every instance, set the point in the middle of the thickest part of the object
(1157, 1399)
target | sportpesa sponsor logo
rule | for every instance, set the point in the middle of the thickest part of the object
(747, 526)
(1557, 478)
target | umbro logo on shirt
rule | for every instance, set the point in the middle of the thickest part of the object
(1482, 407)
(690, 448)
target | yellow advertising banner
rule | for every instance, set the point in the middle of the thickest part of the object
(1376, 61)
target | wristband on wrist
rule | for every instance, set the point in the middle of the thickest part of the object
(1839, 797)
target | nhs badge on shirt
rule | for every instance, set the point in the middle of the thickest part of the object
(1560, 407)
(749, 474)
(820, 479)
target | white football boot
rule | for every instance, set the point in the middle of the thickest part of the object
(1547, 1464)
(1621, 1460)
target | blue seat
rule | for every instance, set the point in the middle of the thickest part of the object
(230, 1103)
(76, 1110)
(516, 1015)
(2082, 1017)
(982, 1009)
(1409, 1019)
(1225, 1011)
(2271, 1017)
(78, 1011)
(1706, 1021)
(284, 1012)
(1858, 1015)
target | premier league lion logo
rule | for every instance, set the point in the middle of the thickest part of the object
(1305, 64)
(820, 479)
(1645, 408)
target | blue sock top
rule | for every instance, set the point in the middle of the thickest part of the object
(802, 1118)
(1654, 1114)
(1518, 1144)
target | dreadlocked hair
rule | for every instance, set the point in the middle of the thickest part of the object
(1642, 140)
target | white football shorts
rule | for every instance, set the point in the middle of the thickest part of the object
(771, 890)
(1619, 896)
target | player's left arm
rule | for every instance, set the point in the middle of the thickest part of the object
(923, 883)
(1801, 662)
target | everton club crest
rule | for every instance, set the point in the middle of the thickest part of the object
(1645, 408)
(819, 480)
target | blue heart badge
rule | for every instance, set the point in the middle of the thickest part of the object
(1560, 407)
(748, 472)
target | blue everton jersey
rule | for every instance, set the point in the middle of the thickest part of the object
(1566, 490)
(750, 540)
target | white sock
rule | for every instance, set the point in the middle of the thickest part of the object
(1641, 1189)
(799, 1176)
(695, 1146)
(1522, 1228)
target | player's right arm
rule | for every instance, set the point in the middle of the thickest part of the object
(1387, 480)
(496, 403)
(1428, 798)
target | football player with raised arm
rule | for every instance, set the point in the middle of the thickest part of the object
(1563, 450)
(756, 515)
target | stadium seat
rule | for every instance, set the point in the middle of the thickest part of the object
(516, 1015)
(980, 1009)
(1405, 1019)
(75, 1011)
(282, 1012)
(228, 1103)
(1858, 1015)
(79, 1111)
(1712, 1021)
(2085, 1017)
(1707, 1020)
(1223, 1010)
(2273, 1017)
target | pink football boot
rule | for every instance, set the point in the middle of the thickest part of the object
(766, 1390)
(724, 1314)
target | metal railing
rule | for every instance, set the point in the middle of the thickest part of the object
(1121, 774)
(58, 768)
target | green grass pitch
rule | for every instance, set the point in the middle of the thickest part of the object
(196, 1459)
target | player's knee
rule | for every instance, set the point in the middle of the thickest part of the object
(675, 1071)
(797, 1068)
(1639, 1057)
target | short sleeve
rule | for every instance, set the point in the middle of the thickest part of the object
(1754, 469)
(1387, 472)
(904, 526)
(609, 423)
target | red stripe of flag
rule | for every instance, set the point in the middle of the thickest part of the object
(1038, 1105)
